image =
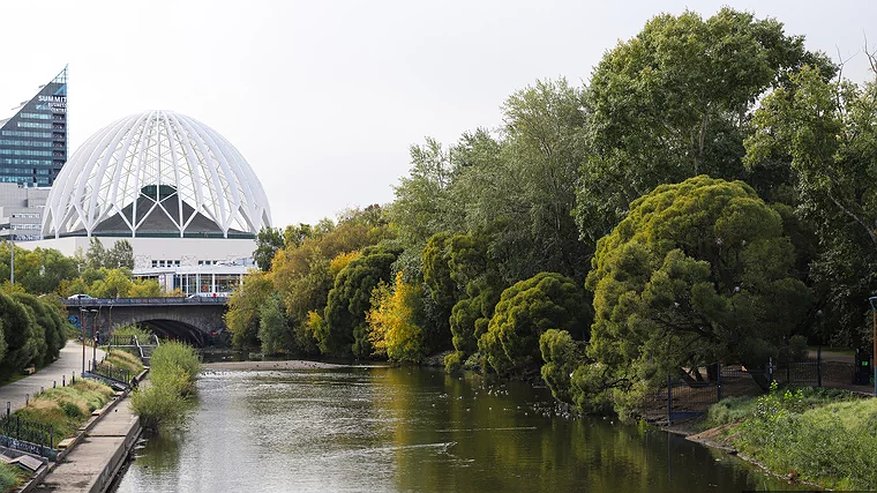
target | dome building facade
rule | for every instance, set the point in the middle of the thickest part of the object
(177, 190)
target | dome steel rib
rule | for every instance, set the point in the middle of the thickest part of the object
(156, 174)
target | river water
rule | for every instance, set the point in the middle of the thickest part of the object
(401, 429)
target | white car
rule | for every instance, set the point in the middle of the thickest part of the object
(80, 296)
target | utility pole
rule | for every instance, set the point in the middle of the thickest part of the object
(12, 256)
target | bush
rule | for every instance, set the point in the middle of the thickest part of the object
(174, 353)
(832, 445)
(120, 358)
(163, 403)
(132, 330)
(158, 405)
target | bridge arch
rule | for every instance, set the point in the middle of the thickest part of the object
(170, 329)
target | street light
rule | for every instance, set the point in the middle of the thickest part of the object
(873, 301)
(83, 319)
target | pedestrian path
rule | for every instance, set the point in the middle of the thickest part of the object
(69, 362)
(93, 463)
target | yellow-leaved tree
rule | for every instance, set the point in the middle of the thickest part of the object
(396, 321)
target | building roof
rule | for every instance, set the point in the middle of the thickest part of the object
(157, 173)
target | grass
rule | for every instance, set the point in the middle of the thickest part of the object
(133, 330)
(10, 477)
(120, 358)
(174, 366)
(823, 436)
(65, 409)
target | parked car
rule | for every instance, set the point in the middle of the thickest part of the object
(80, 296)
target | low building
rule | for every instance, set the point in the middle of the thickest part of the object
(21, 211)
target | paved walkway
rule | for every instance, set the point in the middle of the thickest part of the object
(91, 466)
(68, 363)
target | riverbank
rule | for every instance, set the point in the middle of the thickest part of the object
(269, 365)
(817, 437)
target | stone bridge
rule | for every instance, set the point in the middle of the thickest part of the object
(198, 320)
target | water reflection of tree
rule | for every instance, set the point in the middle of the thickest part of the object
(500, 446)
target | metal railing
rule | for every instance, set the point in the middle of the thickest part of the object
(107, 370)
(15, 427)
(196, 300)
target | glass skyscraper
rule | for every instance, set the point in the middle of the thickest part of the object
(33, 142)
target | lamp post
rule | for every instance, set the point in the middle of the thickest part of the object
(12, 257)
(82, 313)
(873, 301)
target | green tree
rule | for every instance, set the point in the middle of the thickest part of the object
(675, 101)
(696, 273)
(274, 331)
(116, 283)
(44, 334)
(268, 241)
(424, 205)
(242, 317)
(345, 331)
(119, 256)
(828, 132)
(95, 256)
(562, 356)
(18, 330)
(527, 309)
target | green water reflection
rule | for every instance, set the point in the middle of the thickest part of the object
(392, 429)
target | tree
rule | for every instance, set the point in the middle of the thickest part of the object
(828, 132)
(144, 288)
(41, 329)
(527, 309)
(116, 283)
(268, 241)
(396, 321)
(18, 330)
(562, 356)
(242, 317)
(698, 272)
(95, 256)
(675, 101)
(345, 331)
(119, 256)
(423, 204)
(274, 331)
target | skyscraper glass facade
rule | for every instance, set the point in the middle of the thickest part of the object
(33, 142)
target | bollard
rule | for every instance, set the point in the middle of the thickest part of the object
(8, 408)
(54, 384)
(73, 379)
(26, 400)
(42, 389)
(63, 380)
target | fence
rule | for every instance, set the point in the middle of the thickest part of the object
(16, 428)
(693, 392)
(108, 371)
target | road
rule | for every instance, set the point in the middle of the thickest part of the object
(68, 363)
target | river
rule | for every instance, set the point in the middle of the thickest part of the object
(412, 429)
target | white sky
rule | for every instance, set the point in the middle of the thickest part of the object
(324, 98)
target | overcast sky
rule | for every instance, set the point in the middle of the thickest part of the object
(324, 98)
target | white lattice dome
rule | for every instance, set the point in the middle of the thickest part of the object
(156, 174)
